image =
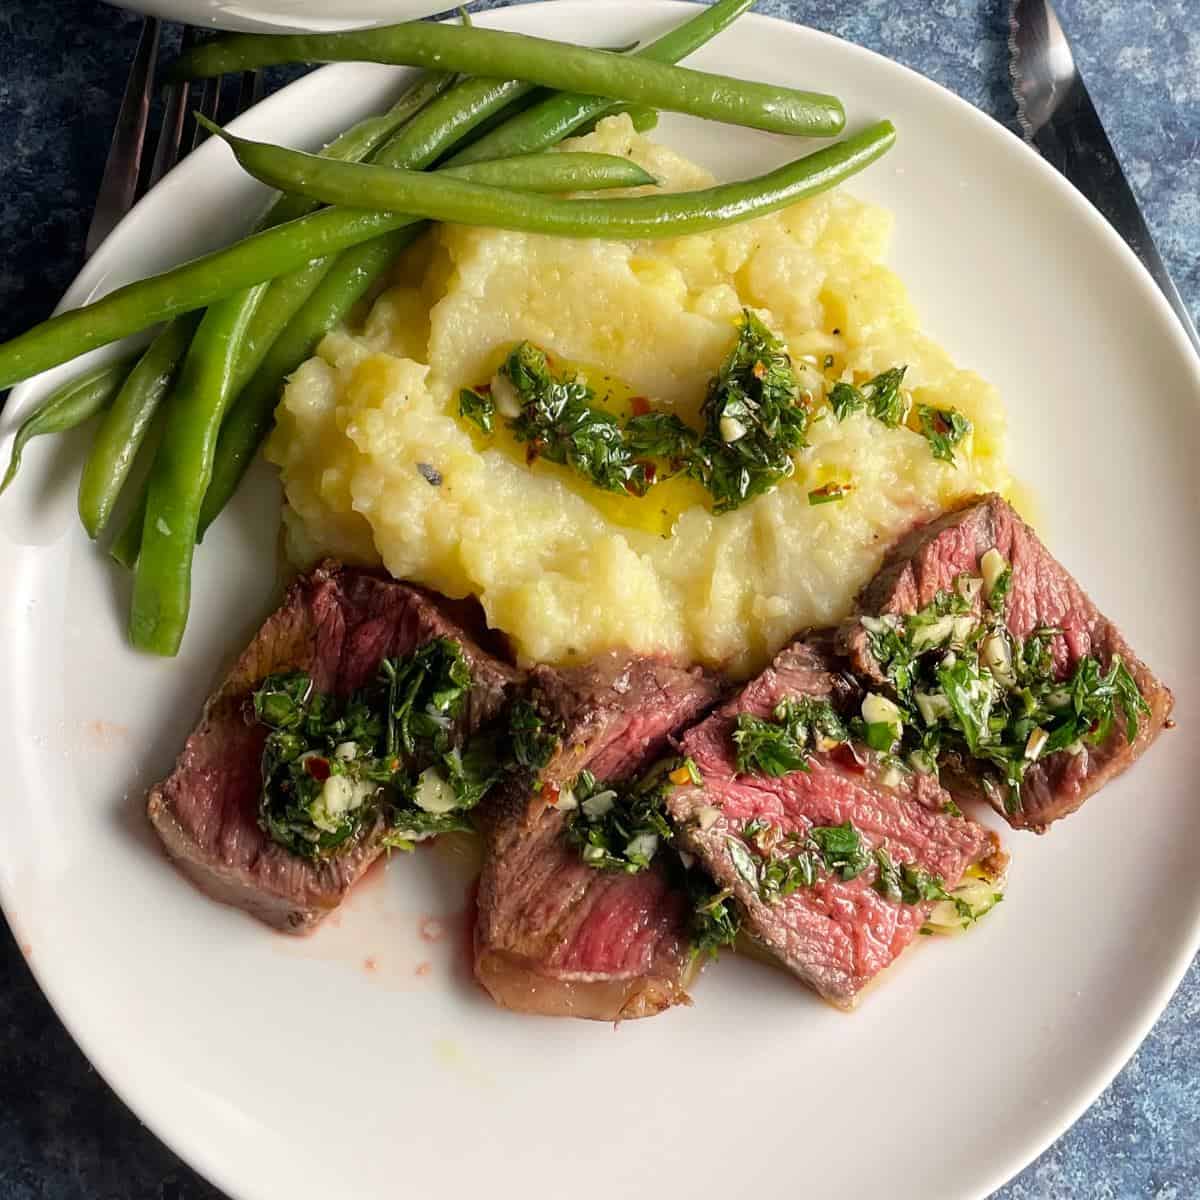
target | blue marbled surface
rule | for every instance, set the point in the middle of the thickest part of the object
(63, 1135)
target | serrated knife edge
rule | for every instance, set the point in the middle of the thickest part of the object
(1015, 76)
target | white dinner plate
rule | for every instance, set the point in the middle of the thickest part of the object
(279, 16)
(362, 1062)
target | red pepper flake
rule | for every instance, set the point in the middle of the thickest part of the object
(639, 405)
(532, 453)
(551, 792)
(317, 767)
(759, 370)
(650, 471)
(844, 756)
(484, 389)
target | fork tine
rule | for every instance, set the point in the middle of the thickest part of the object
(170, 136)
(210, 103)
(118, 186)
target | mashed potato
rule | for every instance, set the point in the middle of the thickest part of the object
(378, 467)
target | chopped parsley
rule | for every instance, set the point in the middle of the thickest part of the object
(881, 397)
(904, 883)
(533, 739)
(333, 767)
(477, 406)
(622, 826)
(943, 429)
(557, 421)
(775, 865)
(754, 418)
(844, 399)
(886, 402)
(1000, 590)
(966, 686)
(778, 746)
(715, 919)
(884, 399)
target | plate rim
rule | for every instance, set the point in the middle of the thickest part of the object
(88, 282)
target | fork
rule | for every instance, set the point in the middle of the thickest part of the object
(126, 178)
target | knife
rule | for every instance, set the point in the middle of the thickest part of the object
(1058, 118)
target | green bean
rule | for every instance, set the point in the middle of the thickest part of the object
(476, 51)
(70, 405)
(126, 423)
(564, 113)
(441, 198)
(178, 480)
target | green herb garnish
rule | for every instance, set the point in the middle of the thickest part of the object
(558, 422)
(885, 399)
(620, 826)
(754, 420)
(532, 738)
(477, 407)
(716, 918)
(334, 767)
(1000, 590)
(905, 883)
(844, 399)
(781, 745)
(775, 865)
(943, 429)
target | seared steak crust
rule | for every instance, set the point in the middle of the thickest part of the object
(837, 935)
(1043, 593)
(336, 623)
(554, 936)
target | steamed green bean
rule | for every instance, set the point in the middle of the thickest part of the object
(439, 197)
(476, 51)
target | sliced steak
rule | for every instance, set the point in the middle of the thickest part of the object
(555, 936)
(835, 935)
(1042, 594)
(336, 624)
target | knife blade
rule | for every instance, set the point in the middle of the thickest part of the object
(1057, 117)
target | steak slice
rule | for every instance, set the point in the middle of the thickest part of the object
(553, 935)
(337, 624)
(1042, 593)
(835, 935)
